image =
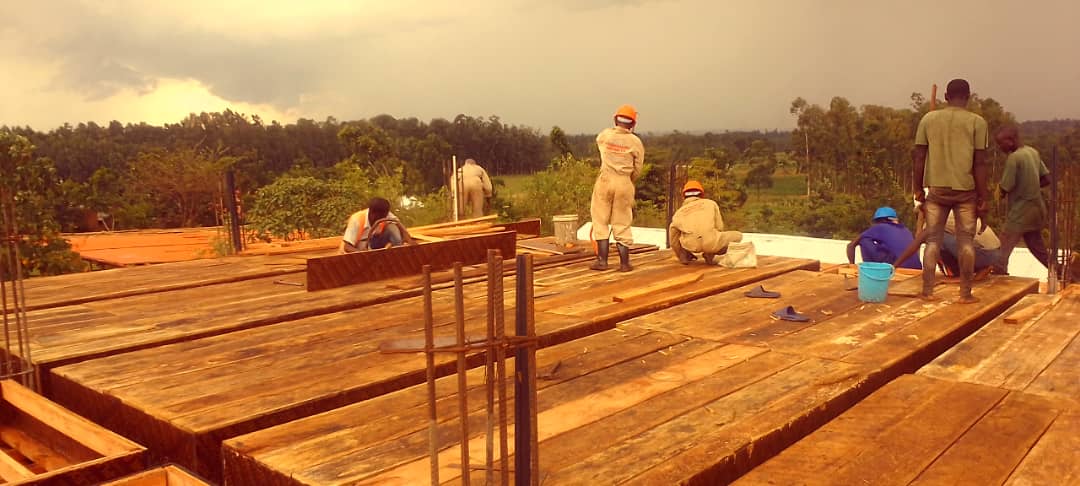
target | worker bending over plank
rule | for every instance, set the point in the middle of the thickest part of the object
(476, 187)
(374, 228)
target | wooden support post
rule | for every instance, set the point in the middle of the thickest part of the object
(494, 273)
(429, 344)
(526, 453)
(500, 373)
(234, 214)
(462, 369)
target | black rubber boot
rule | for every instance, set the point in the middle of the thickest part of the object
(602, 250)
(624, 258)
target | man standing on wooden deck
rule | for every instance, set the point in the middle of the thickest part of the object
(374, 228)
(622, 156)
(476, 186)
(1024, 177)
(697, 227)
(950, 160)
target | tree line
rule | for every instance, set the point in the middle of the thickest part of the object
(302, 179)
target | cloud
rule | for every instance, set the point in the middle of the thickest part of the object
(686, 64)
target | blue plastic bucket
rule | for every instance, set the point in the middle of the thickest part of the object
(874, 281)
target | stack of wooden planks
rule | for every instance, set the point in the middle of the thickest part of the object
(432, 232)
(697, 393)
(1002, 407)
(185, 398)
(42, 443)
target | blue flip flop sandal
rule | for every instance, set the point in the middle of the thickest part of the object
(788, 314)
(759, 292)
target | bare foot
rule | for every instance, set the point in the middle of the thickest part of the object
(929, 297)
(982, 274)
(970, 299)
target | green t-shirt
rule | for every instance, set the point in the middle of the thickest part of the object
(952, 135)
(1020, 178)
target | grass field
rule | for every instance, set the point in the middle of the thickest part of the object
(787, 185)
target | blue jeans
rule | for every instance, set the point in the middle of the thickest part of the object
(389, 234)
(950, 251)
(939, 202)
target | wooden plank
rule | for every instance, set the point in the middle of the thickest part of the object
(1017, 356)
(79, 288)
(666, 284)
(323, 438)
(920, 430)
(33, 448)
(352, 268)
(85, 432)
(45, 444)
(524, 227)
(1031, 311)
(11, 470)
(995, 445)
(169, 475)
(183, 399)
(1050, 462)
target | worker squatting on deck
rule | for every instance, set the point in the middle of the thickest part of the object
(950, 159)
(476, 186)
(697, 227)
(622, 156)
(374, 228)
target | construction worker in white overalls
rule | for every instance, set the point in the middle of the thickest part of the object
(476, 185)
(697, 227)
(622, 156)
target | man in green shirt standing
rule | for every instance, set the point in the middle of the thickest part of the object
(1024, 177)
(950, 160)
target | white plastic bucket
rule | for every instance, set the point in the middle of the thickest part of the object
(565, 228)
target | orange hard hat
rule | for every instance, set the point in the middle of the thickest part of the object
(627, 111)
(693, 185)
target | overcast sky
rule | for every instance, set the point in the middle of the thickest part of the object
(688, 65)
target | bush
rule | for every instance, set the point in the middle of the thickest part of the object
(565, 187)
(305, 206)
(34, 187)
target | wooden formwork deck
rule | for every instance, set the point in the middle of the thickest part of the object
(183, 399)
(77, 332)
(1001, 407)
(697, 393)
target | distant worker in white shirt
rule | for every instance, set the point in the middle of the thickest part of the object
(374, 228)
(476, 186)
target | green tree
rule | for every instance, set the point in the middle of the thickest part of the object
(183, 183)
(31, 185)
(559, 142)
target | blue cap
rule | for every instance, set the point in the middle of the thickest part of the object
(885, 212)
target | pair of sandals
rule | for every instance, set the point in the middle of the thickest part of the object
(786, 314)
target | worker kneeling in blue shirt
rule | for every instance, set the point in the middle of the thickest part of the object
(884, 241)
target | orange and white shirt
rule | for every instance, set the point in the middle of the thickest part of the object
(358, 230)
